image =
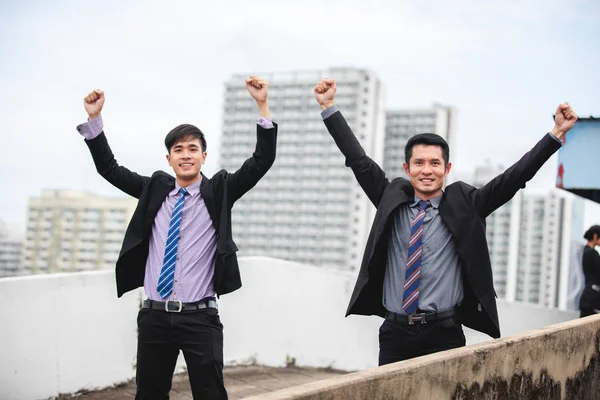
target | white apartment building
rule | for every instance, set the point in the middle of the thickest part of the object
(548, 263)
(10, 250)
(401, 125)
(308, 208)
(571, 279)
(74, 231)
(531, 256)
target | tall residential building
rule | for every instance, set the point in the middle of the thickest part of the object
(401, 125)
(547, 249)
(502, 233)
(308, 208)
(10, 250)
(74, 231)
(571, 279)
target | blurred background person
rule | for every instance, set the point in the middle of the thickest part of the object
(589, 304)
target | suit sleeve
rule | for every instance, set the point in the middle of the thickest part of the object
(107, 166)
(255, 167)
(502, 188)
(369, 175)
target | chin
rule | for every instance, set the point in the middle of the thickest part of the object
(188, 175)
(430, 190)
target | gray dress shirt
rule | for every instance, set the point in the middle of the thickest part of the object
(441, 284)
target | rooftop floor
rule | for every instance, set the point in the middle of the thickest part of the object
(240, 382)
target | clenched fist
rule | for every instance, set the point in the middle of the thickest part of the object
(564, 120)
(258, 88)
(324, 93)
(93, 103)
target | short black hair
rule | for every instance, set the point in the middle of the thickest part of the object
(182, 132)
(589, 234)
(429, 139)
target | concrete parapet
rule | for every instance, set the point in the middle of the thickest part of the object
(557, 362)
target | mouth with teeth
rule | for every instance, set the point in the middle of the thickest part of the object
(186, 165)
(426, 180)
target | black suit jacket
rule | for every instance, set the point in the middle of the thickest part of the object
(590, 262)
(463, 209)
(219, 193)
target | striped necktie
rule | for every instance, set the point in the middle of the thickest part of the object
(410, 299)
(165, 280)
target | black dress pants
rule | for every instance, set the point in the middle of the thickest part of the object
(399, 341)
(161, 335)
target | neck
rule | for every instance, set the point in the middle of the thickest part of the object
(591, 244)
(427, 196)
(187, 182)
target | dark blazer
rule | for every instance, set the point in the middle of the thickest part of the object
(219, 193)
(463, 209)
(590, 262)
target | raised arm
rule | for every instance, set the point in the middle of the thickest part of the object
(106, 165)
(255, 167)
(502, 188)
(369, 175)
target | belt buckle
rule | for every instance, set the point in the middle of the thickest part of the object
(176, 309)
(419, 318)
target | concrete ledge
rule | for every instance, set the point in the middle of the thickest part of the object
(557, 362)
(83, 320)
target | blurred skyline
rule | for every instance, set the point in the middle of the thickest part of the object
(505, 66)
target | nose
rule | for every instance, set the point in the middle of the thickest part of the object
(426, 170)
(185, 154)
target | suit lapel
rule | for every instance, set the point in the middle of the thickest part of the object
(455, 214)
(163, 187)
(209, 198)
(399, 192)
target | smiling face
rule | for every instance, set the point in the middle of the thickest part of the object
(186, 158)
(427, 170)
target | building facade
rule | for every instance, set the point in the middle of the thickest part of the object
(74, 231)
(11, 242)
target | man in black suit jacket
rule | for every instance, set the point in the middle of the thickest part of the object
(426, 267)
(179, 246)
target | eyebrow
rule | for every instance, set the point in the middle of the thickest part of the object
(178, 146)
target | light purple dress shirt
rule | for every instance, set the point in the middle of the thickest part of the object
(196, 251)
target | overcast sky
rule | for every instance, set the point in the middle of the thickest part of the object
(505, 66)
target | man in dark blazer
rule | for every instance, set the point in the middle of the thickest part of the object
(426, 267)
(179, 247)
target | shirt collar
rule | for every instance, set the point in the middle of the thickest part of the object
(435, 201)
(192, 189)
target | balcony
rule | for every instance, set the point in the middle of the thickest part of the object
(66, 333)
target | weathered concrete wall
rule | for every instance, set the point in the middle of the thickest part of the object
(558, 362)
(53, 325)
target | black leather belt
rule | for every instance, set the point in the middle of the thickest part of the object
(178, 306)
(420, 318)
